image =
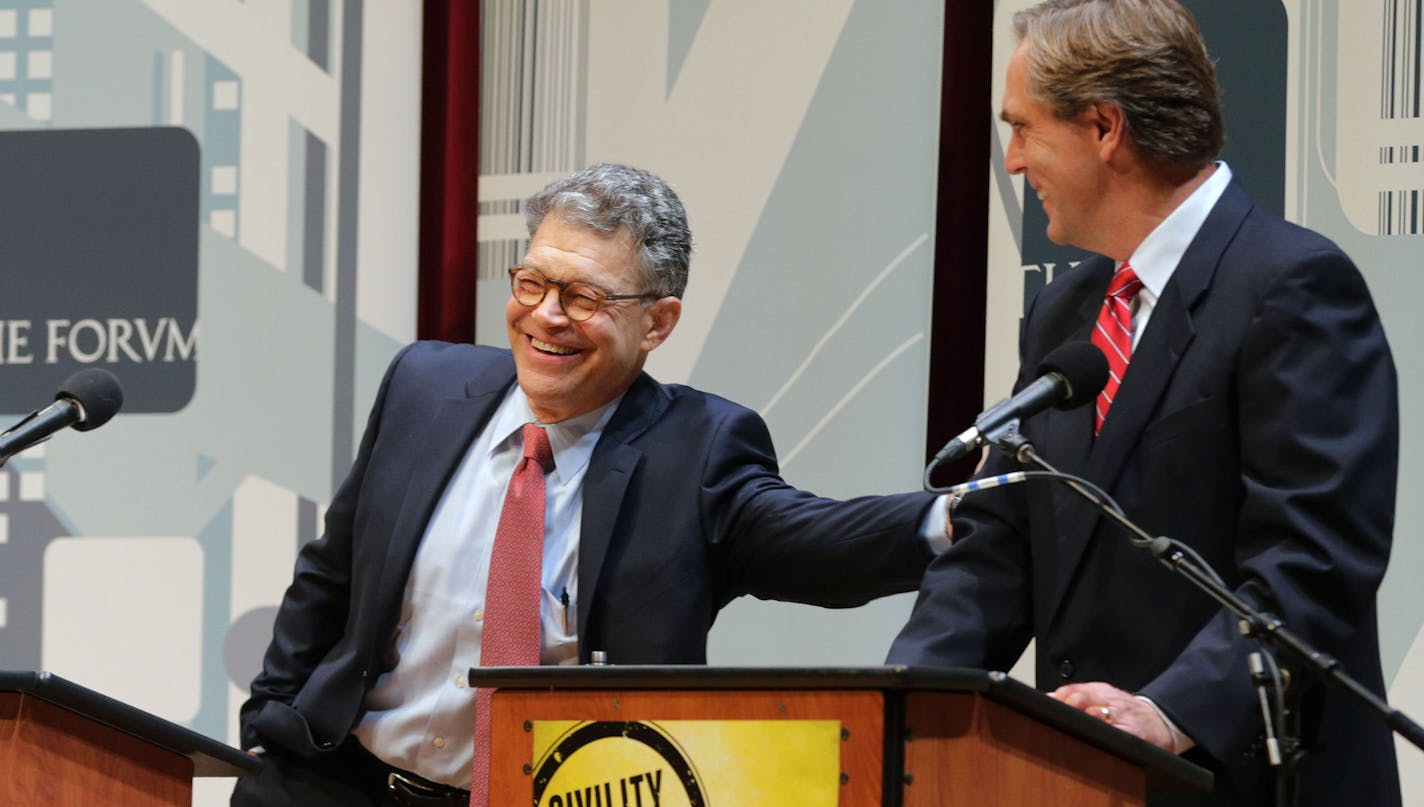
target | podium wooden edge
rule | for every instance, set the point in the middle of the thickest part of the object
(58, 758)
(209, 757)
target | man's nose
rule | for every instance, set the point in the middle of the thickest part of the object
(550, 309)
(1013, 157)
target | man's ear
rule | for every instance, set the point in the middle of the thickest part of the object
(661, 317)
(1110, 125)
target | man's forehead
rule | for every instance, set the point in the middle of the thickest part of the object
(572, 223)
(1011, 107)
(602, 267)
(1015, 81)
(558, 270)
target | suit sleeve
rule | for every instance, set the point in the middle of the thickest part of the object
(313, 614)
(1318, 429)
(975, 605)
(776, 542)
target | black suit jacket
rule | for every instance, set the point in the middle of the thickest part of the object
(1258, 423)
(683, 510)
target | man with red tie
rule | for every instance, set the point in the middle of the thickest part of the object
(538, 505)
(1251, 413)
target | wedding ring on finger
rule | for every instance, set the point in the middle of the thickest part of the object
(1106, 713)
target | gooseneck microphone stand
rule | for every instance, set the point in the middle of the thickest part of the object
(1282, 744)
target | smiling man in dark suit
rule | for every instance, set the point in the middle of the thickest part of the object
(652, 507)
(1251, 413)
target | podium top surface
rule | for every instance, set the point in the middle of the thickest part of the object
(210, 757)
(1165, 771)
(674, 676)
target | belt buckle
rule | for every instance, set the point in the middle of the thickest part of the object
(404, 787)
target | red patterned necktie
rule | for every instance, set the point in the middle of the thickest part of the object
(1113, 336)
(512, 597)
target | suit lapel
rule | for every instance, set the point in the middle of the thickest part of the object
(436, 455)
(1066, 442)
(1169, 332)
(1067, 437)
(1154, 362)
(609, 471)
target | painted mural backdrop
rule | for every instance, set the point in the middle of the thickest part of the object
(275, 146)
(216, 202)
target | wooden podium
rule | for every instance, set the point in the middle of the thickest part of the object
(62, 744)
(909, 737)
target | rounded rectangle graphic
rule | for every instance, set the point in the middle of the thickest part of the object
(99, 252)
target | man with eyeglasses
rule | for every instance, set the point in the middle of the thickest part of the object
(659, 504)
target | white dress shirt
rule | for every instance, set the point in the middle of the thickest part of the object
(1156, 258)
(420, 716)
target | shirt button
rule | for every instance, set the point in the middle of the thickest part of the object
(460, 681)
(479, 614)
(438, 742)
(1065, 669)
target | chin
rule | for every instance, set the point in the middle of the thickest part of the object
(1057, 236)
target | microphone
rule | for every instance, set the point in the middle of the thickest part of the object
(86, 400)
(1068, 377)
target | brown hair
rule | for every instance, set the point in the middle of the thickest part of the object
(1145, 57)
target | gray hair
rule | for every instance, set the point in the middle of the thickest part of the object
(607, 197)
(1145, 57)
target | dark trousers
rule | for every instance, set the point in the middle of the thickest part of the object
(350, 776)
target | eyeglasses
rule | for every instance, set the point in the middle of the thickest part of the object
(579, 301)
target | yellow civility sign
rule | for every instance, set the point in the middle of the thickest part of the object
(687, 763)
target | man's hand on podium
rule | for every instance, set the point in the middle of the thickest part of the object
(1133, 714)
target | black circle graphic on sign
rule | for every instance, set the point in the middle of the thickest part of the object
(638, 732)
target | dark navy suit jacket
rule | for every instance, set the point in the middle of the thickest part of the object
(1257, 423)
(683, 510)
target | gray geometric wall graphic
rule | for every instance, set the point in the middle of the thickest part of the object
(684, 16)
(27, 57)
(244, 643)
(27, 527)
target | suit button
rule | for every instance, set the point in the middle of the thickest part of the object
(1065, 669)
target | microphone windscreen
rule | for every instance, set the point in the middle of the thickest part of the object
(1083, 366)
(96, 390)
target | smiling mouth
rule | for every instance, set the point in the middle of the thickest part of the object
(545, 347)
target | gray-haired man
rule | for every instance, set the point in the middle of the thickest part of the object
(663, 503)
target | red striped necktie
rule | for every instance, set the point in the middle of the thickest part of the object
(512, 596)
(1113, 336)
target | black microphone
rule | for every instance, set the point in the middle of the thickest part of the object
(1068, 377)
(86, 400)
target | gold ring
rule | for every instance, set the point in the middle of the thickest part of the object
(1106, 713)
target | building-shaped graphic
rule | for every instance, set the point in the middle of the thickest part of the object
(27, 527)
(27, 57)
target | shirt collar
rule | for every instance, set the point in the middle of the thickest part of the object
(1156, 258)
(571, 440)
